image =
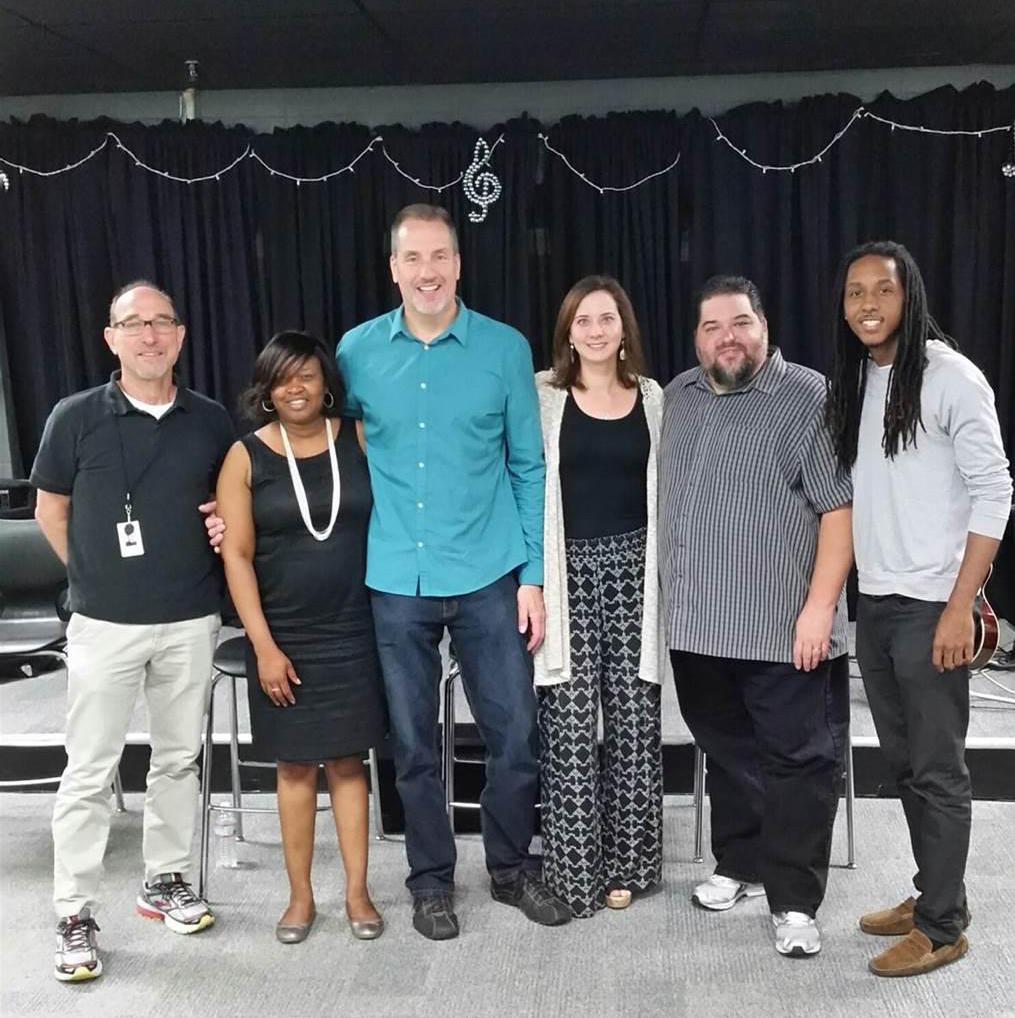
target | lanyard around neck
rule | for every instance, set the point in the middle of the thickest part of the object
(300, 491)
(130, 484)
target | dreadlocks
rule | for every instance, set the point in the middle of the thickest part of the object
(848, 379)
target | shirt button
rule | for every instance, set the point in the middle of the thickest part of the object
(421, 424)
(420, 464)
(419, 505)
(422, 385)
(419, 544)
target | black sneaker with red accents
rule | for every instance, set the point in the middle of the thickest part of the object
(77, 949)
(169, 897)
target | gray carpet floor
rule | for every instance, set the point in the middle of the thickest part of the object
(660, 957)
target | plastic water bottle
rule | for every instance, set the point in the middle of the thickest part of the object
(224, 828)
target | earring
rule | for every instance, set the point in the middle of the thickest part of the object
(267, 406)
(622, 354)
(572, 350)
(329, 400)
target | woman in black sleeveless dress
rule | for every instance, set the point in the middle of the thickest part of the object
(295, 498)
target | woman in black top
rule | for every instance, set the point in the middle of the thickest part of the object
(295, 498)
(601, 810)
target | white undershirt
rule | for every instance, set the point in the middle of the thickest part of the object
(157, 410)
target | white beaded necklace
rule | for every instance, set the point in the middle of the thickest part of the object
(300, 491)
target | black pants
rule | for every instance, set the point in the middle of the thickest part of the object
(774, 738)
(921, 716)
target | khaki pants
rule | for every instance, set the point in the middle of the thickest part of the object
(107, 663)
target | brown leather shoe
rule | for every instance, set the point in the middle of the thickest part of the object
(915, 955)
(890, 922)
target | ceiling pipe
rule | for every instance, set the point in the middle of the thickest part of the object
(188, 97)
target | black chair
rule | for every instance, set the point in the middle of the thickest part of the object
(17, 499)
(33, 618)
(33, 582)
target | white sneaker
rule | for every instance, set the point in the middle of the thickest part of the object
(77, 950)
(796, 934)
(172, 900)
(719, 893)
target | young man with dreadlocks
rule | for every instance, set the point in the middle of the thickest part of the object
(915, 423)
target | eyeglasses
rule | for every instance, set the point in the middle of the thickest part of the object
(134, 327)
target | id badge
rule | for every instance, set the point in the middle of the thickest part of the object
(129, 535)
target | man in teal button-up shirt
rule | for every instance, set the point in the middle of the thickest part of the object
(456, 453)
(451, 420)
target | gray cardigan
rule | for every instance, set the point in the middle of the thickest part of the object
(553, 659)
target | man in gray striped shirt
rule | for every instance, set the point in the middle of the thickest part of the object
(755, 546)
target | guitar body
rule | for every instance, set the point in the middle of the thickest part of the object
(985, 629)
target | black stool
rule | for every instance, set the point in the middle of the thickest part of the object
(230, 663)
(448, 757)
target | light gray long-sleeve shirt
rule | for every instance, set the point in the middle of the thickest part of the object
(911, 514)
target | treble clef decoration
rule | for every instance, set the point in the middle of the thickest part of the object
(481, 188)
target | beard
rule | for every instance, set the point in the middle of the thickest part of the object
(735, 378)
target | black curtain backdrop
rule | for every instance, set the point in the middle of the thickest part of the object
(252, 253)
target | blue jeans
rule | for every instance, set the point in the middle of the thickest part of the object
(497, 674)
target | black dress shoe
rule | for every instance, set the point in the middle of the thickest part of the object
(528, 893)
(432, 916)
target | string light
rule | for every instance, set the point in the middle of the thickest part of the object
(482, 187)
(313, 180)
(1009, 167)
(247, 153)
(603, 188)
(789, 167)
(438, 188)
(63, 169)
(980, 132)
(861, 113)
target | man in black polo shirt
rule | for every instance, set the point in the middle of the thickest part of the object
(121, 472)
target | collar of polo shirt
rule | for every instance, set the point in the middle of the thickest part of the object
(121, 405)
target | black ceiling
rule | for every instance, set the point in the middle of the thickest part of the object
(66, 46)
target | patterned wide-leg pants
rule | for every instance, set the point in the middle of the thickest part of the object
(602, 812)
